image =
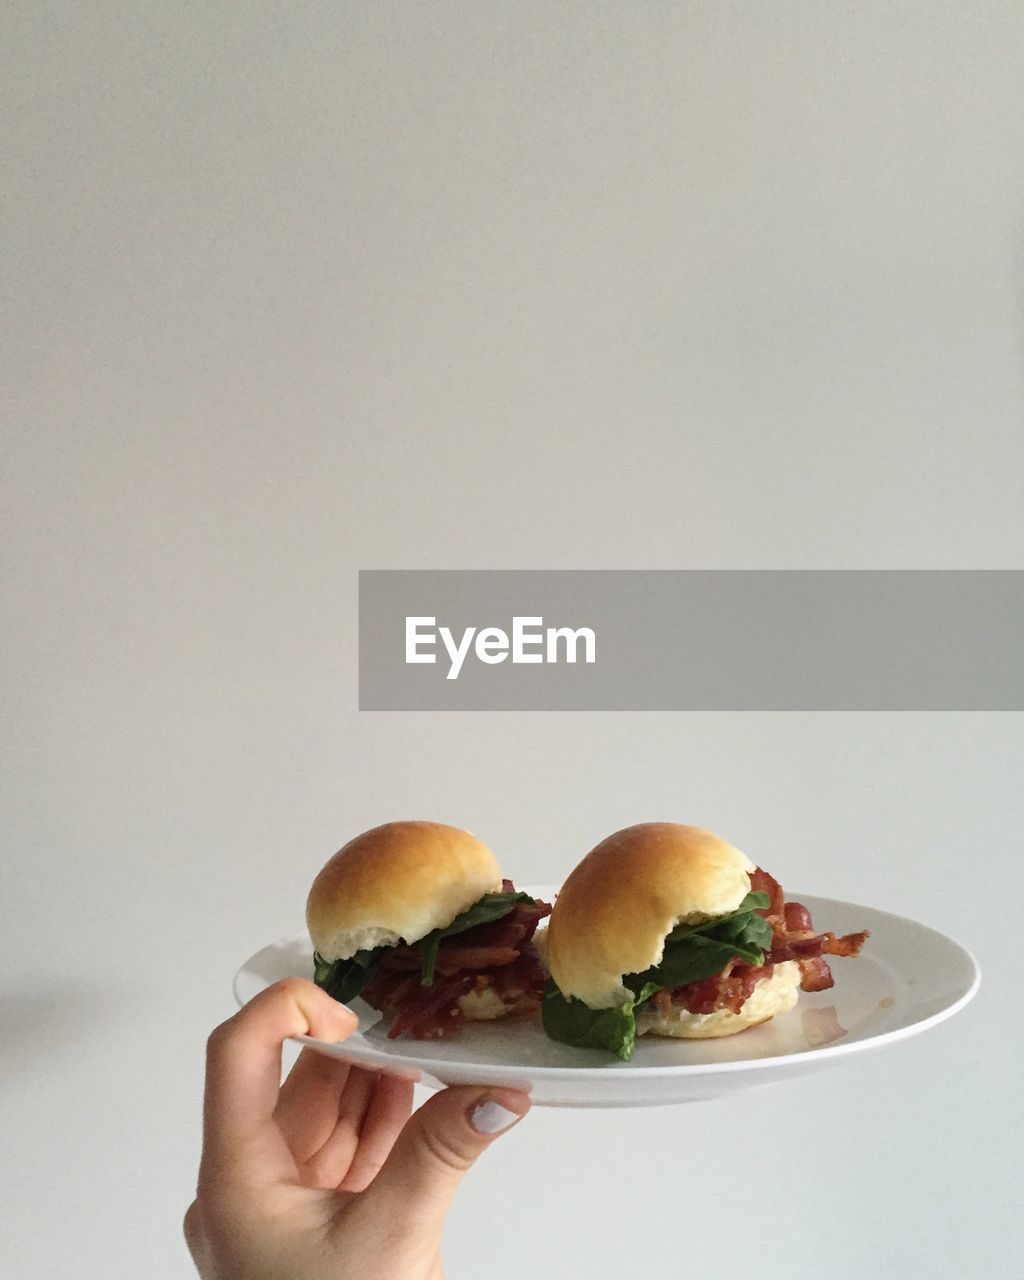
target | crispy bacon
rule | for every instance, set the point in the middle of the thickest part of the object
(797, 918)
(499, 955)
(460, 959)
(793, 938)
(794, 949)
(722, 993)
(815, 975)
(817, 945)
(849, 944)
(518, 926)
(432, 1000)
(505, 935)
(762, 882)
(525, 976)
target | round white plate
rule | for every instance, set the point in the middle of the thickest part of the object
(908, 978)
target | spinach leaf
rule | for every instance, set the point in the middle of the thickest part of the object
(492, 906)
(691, 961)
(345, 979)
(752, 930)
(572, 1022)
(752, 902)
(694, 952)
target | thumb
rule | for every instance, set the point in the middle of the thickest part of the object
(440, 1143)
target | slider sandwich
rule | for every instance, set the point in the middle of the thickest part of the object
(668, 930)
(416, 919)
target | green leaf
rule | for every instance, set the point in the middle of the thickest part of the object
(644, 994)
(572, 1022)
(694, 960)
(695, 952)
(345, 979)
(429, 947)
(752, 902)
(492, 906)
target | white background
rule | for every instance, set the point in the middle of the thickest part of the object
(290, 290)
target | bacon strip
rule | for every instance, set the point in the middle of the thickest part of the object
(722, 993)
(459, 959)
(436, 998)
(816, 945)
(762, 882)
(498, 955)
(524, 977)
(797, 918)
(793, 938)
(815, 975)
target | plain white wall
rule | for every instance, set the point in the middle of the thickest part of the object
(291, 290)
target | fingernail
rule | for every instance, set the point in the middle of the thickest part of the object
(491, 1117)
(342, 1018)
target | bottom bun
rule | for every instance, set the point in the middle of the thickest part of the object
(776, 994)
(486, 1005)
(482, 1006)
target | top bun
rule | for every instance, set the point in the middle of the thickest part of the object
(397, 883)
(613, 914)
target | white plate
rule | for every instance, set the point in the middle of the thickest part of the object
(908, 978)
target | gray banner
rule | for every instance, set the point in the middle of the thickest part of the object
(691, 640)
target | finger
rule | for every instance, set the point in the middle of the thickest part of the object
(438, 1146)
(307, 1106)
(331, 1163)
(195, 1238)
(389, 1112)
(243, 1073)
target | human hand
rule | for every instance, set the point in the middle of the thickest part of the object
(326, 1176)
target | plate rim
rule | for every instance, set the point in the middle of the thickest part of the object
(434, 1066)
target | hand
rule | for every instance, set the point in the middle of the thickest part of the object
(326, 1176)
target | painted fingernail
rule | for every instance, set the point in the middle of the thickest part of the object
(492, 1117)
(342, 1018)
